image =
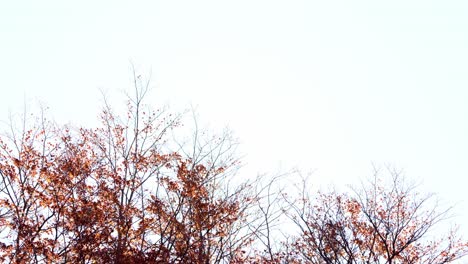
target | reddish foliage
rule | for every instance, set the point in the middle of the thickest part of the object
(119, 194)
(378, 224)
(114, 195)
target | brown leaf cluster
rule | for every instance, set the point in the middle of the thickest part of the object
(125, 193)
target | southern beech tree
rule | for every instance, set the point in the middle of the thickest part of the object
(128, 192)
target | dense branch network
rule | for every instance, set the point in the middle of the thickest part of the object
(125, 192)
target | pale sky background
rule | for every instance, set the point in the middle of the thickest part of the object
(325, 86)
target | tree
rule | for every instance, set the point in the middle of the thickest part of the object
(377, 223)
(119, 194)
(128, 192)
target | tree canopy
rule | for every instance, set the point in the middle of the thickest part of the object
(128, 192)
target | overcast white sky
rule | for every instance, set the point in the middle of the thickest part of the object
(330, 86)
